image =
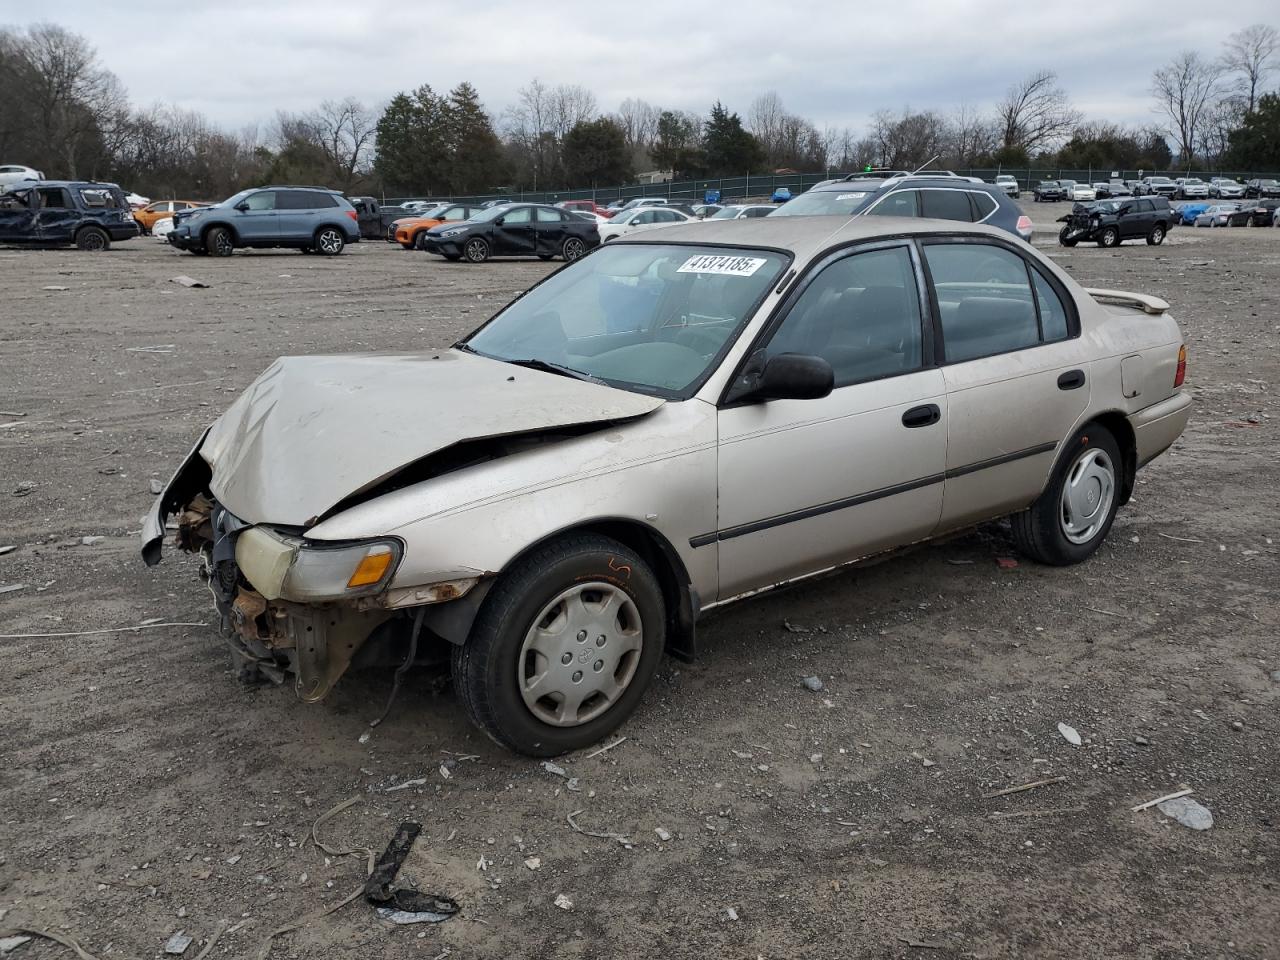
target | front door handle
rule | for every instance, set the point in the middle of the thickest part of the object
(922, 416)
(1071, 380)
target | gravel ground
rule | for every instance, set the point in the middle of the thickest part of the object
(144, 791)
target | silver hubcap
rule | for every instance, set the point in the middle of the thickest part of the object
(475, 250)
(580, 654)
(1087, 496)
(330, 242)
(572, 249)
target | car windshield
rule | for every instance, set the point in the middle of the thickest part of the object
(824, 202)
(1161, 180)
(652, 318)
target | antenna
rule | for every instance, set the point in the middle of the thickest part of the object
(925, 164)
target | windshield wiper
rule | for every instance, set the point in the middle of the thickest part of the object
(534, 363)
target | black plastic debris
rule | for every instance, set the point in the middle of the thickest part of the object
(400, 905)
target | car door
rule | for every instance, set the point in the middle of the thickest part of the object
(514, 233)
(57, 217)
(939, 203)
(549, 231)
(809, 484)
(259, 221)
(1016, 373)
(18, 216)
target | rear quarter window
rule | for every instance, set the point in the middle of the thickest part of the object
(941, 204)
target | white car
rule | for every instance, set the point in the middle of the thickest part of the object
(743, 211)
(1083, 191)
(137, 201)
(640, 218)
(589, 216)
(1225, 189)
(1008, 183)
(15, 173)
(162, 228)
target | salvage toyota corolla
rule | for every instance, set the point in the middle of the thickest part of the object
(663, 426)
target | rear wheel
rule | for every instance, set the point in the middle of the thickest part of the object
(218, 242)
(92, 239)
(1156, 236)
(1110, 238)
(573, 248)
(1071, 518)
(563, 647)
(329, 241)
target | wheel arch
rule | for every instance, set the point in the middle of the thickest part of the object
(1120, 428)
(204, 231)
(653, 547)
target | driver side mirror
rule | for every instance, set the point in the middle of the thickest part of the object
(788, 376)
(242, 206)
(499, 221)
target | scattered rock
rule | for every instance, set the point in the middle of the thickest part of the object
(1142, 741)
(233, 860)
(812, 683)
(1187, 812)
(177, 944)
(23, 488)
(1237, 725)
(563, 902)
(815, 758)
(187, 281)
(554, 769)
(926, 762)
(1069, 734)
(13, 588)
(157, 486)
(663, 834)
(363, 738)
(533, 863)
(793, 627)
(8, 549)
(1275, 676)
(731, 913)
(10, 944)
(90, 541)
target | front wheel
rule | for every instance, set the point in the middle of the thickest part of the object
(476, 250)
(329, 241)
(563, 647)
(1070, 519)
(1065, 238)
(218, 242)
(1156, 236)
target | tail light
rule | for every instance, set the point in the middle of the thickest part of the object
(1024, 227)
(353, 215)
(1181, 373)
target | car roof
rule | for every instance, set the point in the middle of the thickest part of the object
(803, 236)
(71, 183)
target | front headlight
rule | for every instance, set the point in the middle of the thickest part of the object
(327, 573)
(454, 232)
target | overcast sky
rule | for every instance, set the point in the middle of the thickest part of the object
(239, 61)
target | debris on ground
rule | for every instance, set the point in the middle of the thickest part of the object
(1069, 734)
(812, 683)
(420, 781)
(405, 917)
(1187, 812)
(793, 627)
(177, 944)
(10, 944)
(730, 913)
(157, 486)
(604, 749)
(187, 281)
(1158, 800)
(430, 907)
(663, 834)
(554, 769)
(13, 588)
(54, 286)
(598, 834)
(563, 902)
(7, 549)
(1006, 563)
(23, 488)
(533, 863)
(1141, 741)
(90, 541)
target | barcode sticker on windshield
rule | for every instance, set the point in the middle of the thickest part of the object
(722, 265)
(851, 196)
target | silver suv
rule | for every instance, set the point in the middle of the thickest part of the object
(311, 219)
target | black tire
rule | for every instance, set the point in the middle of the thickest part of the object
(420, 240)
(218, 242)
(1064, 239)
(92, 239)
(476, 250)
(1110, 237)
(486, 668)
(329, 241)
(1156, 236)
(1039, 530)
(572, 249)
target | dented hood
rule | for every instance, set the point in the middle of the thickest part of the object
(312, 431)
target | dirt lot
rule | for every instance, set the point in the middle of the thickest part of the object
(144, 791)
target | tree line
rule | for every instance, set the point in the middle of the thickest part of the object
(65, 113)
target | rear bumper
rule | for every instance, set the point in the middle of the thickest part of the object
(1156, 427)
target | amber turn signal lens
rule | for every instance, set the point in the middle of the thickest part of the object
(371, 569)
(1181, 373)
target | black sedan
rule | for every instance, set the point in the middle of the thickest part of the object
(516, 230)
(1260, 214)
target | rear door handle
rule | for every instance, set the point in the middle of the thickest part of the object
(922, 416)
(1071, 380)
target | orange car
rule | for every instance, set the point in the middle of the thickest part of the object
(411, 231)
(160, 209)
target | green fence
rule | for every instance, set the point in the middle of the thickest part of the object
(763, 186)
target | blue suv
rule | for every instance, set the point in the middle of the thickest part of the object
(940, 197)
(310, 219)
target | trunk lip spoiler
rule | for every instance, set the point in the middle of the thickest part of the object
(1147, 304)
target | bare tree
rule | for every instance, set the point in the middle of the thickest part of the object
(345, 130)
(1251, 54)
(570, 105)
(908, 139)
(1035, 112)
(970, 137)
(638, 120)
(766, 119)
(1185, 92)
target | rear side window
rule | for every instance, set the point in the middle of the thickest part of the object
(900, 203)
(549, 216)
(985, 302)
(97, 199)
(861, 314)
(946, 205)
(983, 205)
(54, 198)
(1053, 315)
(1145, 206)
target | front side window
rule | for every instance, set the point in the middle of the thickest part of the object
(653, 318)
(985, 302)
(861, 314)
(262, 200)
(946, 205)
(519, 215)
(900, 203)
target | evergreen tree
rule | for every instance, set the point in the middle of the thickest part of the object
(676, 147)
(1256, 143)
(594, 152)
(413, 151)
(476, 162)
(730, 149)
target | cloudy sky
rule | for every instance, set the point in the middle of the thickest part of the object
(238, 61)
